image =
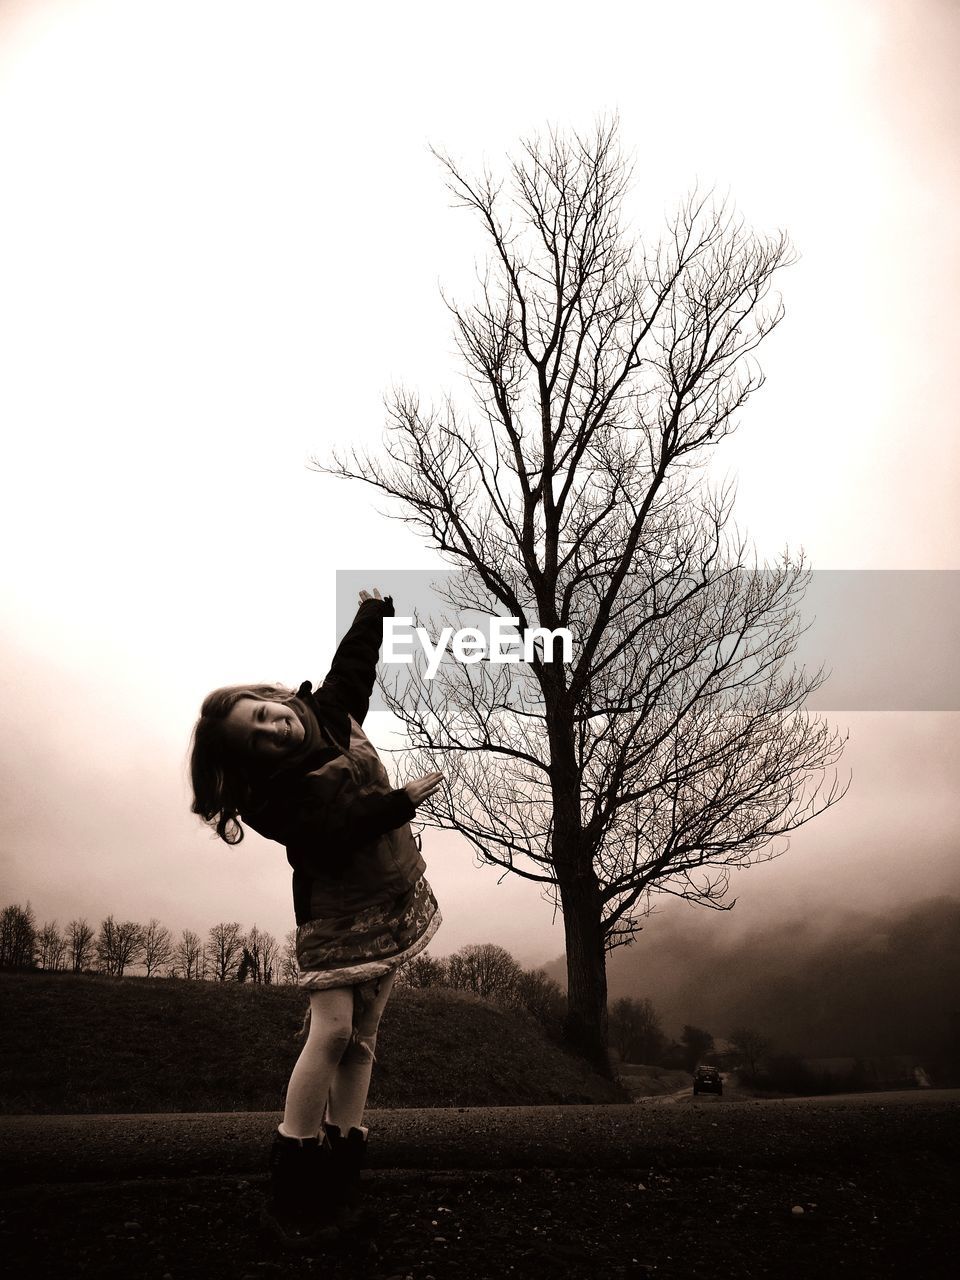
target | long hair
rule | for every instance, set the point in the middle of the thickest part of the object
(224, 780)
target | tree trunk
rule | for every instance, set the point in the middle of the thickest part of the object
(585, 1026)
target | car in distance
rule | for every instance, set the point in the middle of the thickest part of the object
(707, 1080)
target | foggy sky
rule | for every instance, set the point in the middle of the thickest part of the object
(221, 241)
(858, 981)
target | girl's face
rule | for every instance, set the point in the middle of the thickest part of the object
(264, 730)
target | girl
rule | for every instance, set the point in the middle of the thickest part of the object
(298, 768)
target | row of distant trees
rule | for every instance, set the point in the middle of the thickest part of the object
(637, 1035)
(114, 946)
(229, 952)
(491, 972)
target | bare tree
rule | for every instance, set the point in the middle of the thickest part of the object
(225, 947)
(424, 970)
(188, 955)
(80, 943)
(18, 937)
(288, 967)
(264, 951)
(51, 947)
(486, 969)
(157, 946)
(673, 745)
(118, 944)
(541, 996)
(751, 1046)
(104, 944)
(635, 1030)
(129, 945)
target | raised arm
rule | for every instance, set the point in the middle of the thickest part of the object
(349, 682)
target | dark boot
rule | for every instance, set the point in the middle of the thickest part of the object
(300, 1206)
(349, 1158)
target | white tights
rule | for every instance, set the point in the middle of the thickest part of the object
(331, 1077)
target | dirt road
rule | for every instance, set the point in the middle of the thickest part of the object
(861, 1185)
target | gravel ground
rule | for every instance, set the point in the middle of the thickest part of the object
(713, 1189)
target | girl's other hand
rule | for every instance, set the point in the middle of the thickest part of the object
(365, 595)
(420, 788)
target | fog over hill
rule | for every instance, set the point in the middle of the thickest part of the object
(865, 983)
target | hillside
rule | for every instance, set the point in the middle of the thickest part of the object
(86, 1043)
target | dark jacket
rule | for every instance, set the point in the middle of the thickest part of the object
(346, 831)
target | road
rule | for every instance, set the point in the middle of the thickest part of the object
(678, 1189)
(78, 1147)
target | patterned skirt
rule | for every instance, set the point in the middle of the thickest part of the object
(347, 951)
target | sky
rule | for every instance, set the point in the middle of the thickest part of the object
(222, 242)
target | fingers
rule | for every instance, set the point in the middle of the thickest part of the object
(365, 595)
(430, 783)
(420, 788)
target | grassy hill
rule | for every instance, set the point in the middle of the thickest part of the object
(86, 1043)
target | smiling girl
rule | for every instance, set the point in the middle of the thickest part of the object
(297, 768)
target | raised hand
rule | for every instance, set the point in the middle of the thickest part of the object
(365, 595)
(420, 788)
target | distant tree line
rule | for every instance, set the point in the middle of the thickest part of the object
(638, 1037)
(230, 953)
(490, 972)
(227, 953)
